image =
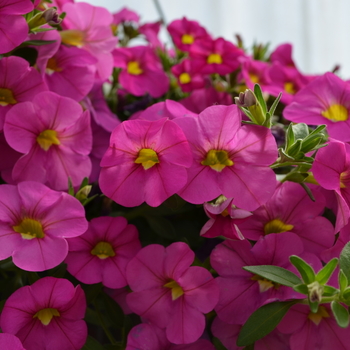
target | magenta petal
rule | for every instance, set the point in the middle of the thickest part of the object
(13, 31)
(9, 240)
(186, 325)
(10, 342)
(40, 254)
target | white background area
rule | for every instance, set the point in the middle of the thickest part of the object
(319, 30)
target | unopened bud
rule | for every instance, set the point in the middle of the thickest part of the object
(245, 99)
(83, 193)
(51, 16)
(315, 291)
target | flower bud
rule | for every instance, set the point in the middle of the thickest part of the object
(246, 99)
(315, 291)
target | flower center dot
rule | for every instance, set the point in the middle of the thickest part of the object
(29, 229)
(103, 250)
(336, 113)
(147, 157)
(217, 160)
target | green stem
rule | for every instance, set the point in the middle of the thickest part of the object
(103, 325)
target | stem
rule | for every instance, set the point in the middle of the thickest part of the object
(103, 325)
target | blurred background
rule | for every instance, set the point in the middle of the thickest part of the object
(318, 29)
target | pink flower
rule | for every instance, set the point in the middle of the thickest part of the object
(215, 56)
(229, 159)
(187, 79)
(48, 315)
(333, 173)
(151, 31)
(290, 209)
(170, 293)
(313, 330)
(89, 27)
(147, 336)
(125, 15)
(185, 32)
(49, 132)
(254, 72)
(13, 26)
(10, 342)
(326, 100)
(201, 99)
(146, 161)
(18, 83)
(102, 253)
(224, 217)
(142, 71)
(242, 292)
(34, 224)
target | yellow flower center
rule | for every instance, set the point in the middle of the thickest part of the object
(187, 39)
(72, 37)
(103, 250)
(147, 157)
(6, 97)
(217, 160)
(52, 67)
(46, 315)
(254, 78)
(344, 179)
(176, 290)
(277, 226)
(214, 58)
(48, 138)
(316, 317)
(265, 284)
(184, 78)
(134, 68)
(29, 229)
(336, 113)
(290, 88)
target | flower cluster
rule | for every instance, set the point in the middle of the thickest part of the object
(157, 197)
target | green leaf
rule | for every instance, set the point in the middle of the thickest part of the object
(70, 187)
(92, 344)
(290, 139)
(326, 272)
(275, 103)
(306, 271)
(295, 149)
(218, 345)
(301, 131)
(37, 42)
(113, 311)
(343, 281)
(259, 96)
(275, 274)
(344, 260)
(263, 321)
(328, 291)
(340, 313)
(301, 288)
(314, 306)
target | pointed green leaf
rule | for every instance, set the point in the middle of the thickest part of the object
(340, 313)
(314, 306)
(263, 321)
(326, 272)
(301, 288)
(275, 274)
(37, 42)
(301, 131)
(275, 103)
(329, 291)
(259, 96)
(343, 281)
(306, 271)
(290, 139)
(344, 260)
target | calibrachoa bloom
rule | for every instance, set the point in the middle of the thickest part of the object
(18, 83)
(13, 26)
(102, 253)
(146, 161)
(147, 336)
(34, 224)
(326, 100)
(89, 27)
(310, 330)
(242, 292)
(142, 71)
(54, 134)
(229, 159)
(170, 293)
(290, 209)
(48, 315)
